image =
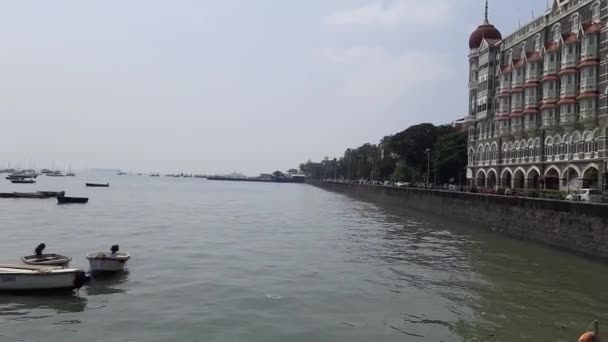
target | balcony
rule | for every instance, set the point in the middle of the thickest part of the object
(588, 84)
(568, 91)
(569, 60)
(586, 114)
(550, 96)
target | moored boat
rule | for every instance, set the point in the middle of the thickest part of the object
(23, 181)
(69, 200)
(18, 278)
(50, 194)
(113, 261)
(98, 185)
(7, 195)
(29, 195)
(46, 259)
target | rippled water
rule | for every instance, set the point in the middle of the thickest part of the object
(216, 261)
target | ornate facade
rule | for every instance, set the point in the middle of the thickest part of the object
(538, 109)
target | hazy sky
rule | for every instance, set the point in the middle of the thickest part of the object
(215, 86)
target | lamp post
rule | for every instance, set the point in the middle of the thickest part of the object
(428, 167)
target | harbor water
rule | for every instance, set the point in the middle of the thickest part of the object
(223, 261)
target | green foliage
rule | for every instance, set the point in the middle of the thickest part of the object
(450, 156)
(399, 157)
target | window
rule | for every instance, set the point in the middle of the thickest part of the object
(537, 43)
(523, 50)
(574, 22)
(552, 57)
(590, 72)
(595, 12)
(591, 40)
(570, 50)
(550, 85)
(569, 79)
(557, 32)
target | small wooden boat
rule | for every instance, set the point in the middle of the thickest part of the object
(29, 195)
(69, 200)
(20, 278)
(113, 261)
(23, 181)
(50, 194)
(46, 259)
(98, 185)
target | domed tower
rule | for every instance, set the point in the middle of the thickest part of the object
(481, 65)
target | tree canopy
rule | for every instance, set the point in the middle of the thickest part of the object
(399, 157)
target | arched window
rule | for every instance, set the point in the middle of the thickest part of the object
(509, 56)
(557, 32)
(595, 12)
(574, 21)
(523, 50)
(537, 43)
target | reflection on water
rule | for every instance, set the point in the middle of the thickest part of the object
(21, 307)
(107, 283)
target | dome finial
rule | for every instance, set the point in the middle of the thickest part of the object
(486, 13)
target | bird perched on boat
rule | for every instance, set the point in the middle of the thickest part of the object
(39, 249)
(589, 337)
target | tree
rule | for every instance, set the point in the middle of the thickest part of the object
(450, 156)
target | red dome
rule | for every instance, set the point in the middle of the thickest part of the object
(484, 31)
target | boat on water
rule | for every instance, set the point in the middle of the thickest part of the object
(21, 176)
(40, 259)
(7, 195)
(29, 195)
(98, 185)
(72, 200)
(34, 278)
(112, 261)
(23, 181)
(51, 194)
(120, 173)
(70, 174)
(55, 174)
(45, 171)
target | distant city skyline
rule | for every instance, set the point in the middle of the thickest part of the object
(223, 86)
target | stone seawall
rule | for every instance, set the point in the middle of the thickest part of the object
(576, 227)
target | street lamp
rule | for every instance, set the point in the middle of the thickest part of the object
(428, 167)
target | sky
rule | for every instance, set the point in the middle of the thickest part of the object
(216, 86)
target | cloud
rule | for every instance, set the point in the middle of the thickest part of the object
(379, 75)
(390, 14)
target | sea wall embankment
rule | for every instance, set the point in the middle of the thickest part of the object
(577, 227)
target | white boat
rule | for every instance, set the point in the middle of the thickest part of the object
(113, 261)
(40, 278)
(46, 259)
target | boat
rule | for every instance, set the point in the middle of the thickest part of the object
(55, 174)
(98, 185)
(46, 171)
(70, 200)
(7, 195)
(50, 194)
(23, 181)
(113, 261)
(70, 173)
(21, 175)
(33, 278)
(46, 259)
(120, 173)
(29, 195)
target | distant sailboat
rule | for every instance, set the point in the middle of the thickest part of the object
(70, 173)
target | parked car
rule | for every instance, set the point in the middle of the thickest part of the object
(588, 195)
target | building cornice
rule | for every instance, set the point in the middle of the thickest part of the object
(546, 21)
